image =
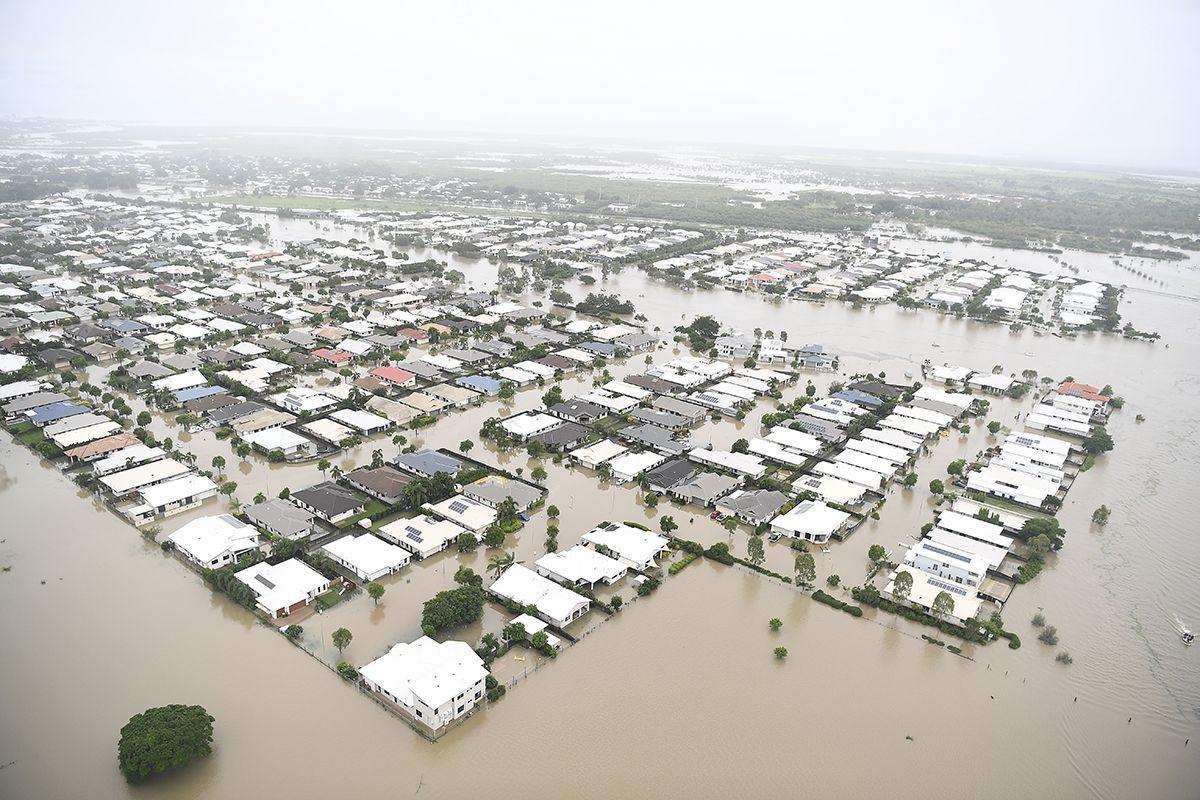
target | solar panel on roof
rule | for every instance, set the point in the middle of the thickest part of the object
(458, 506)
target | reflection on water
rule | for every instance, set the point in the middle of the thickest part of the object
(128, 627)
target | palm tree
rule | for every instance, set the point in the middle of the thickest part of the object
(497, 564)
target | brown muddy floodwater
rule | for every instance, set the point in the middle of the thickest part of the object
(677, 696)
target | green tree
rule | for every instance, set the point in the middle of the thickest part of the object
(651, 499)
(994, 427)
(667, 524)
(538, 473)
(1100, 515)
(806, 569)
(323, 465)
(493, 537)
(956, 467)
(1045, 526)
(452, 607)
(375, 590)
(781, 653)
(143, 419)
(754, 549)
(499, 563)
(218, 464)
(506, 391)
(1099, 442)
(465, 446)
(162, 739)
(740, 446)
(776, 623)
(342, 638)
(464, 575)
(902, 586)
(936, 486)
(466, 542)
(910, 480)
(876, 553)
(943, 604)
(552, 511)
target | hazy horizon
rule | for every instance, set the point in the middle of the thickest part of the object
(1076, 83)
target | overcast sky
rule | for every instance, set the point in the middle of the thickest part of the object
(1081, 81)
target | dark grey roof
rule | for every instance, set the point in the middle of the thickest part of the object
(654, 436)
(757, 504)
(328, 498)
(578, 410)
(565, 435)
(280, 516)
(672, 473)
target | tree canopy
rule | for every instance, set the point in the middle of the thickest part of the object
(162, 739)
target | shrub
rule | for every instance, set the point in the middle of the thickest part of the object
(1064, 658)
(781, 652)
(346, 671)
(1049, 635)
(679, 565)
(1039, 619)
(776, 623)
(719, 552)
(495, 693)
(293, 632)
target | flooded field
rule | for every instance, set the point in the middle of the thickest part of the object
(678, 695)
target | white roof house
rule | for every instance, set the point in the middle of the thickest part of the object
(799, 441)
(936, 417)
(529, 424)
(889, 453)
(178, 494)
(1010, 484)
(130, 480)
(433, 682)
(127, 457)
(581, 566)
(628, 466)
(831, 489)
(362, 421)
(212, 542)
(179, 381)
(741, 463)
(926, 588)
(366, 556)
(422, 536)
(595, 454)
(285, 587)
(950, 562)
(905, 424)
(630, 545)
(463, 511)
(893, 437)
(280, 439)
(974, 528)
(811, 520)
(556, 604)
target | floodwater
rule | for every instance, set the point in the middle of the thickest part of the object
(678, 695)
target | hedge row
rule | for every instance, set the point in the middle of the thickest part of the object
(830, 600)
(679, 565)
